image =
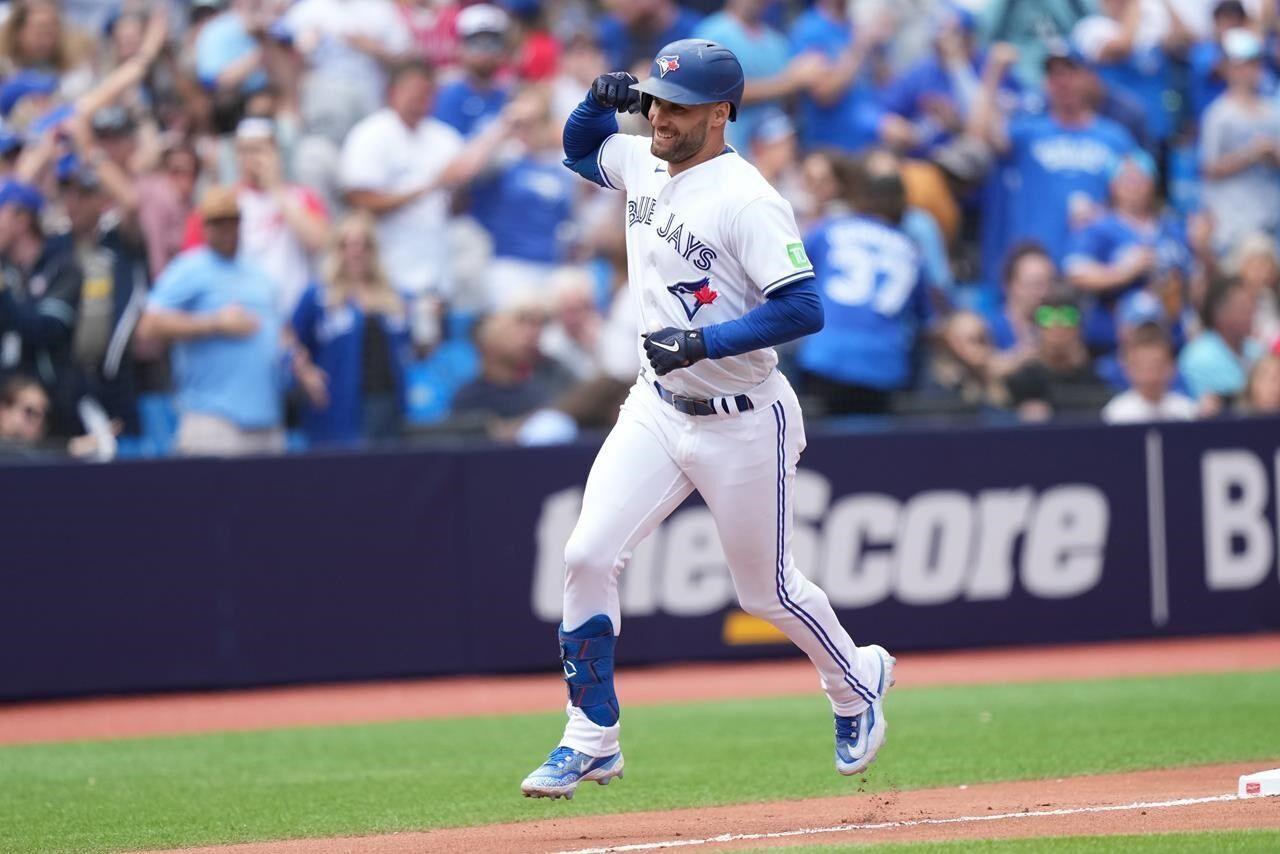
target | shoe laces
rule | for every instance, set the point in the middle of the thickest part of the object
(560, 757)
(848, 727)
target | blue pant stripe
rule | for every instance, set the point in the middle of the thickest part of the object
(785, 598)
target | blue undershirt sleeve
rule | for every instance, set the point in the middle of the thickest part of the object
(788, 313)
(588, 126)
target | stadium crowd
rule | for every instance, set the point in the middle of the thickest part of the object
(233, 226)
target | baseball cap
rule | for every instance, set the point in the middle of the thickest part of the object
(481, 19)
(21, 194)
(25, 83)
(112, 121)
(1241, 45)
(1138, 308)
(1138, 158)
(256, 127)
(1060, 50)
(70, 170)
(219, 203)
(9, 142)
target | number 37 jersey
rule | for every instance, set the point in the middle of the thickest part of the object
(874, 299)
(703, 247)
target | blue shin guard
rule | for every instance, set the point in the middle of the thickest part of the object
(587, 656)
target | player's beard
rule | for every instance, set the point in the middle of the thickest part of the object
(683, 146)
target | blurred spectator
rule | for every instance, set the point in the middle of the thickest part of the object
(839, 108)
(515, 379)
(108, 249)
(539, 51)
(524, 200)
(392, 164)
(572, 338)
(1217, 362)
(872, 282)
(229, 52)
(477, 96)
(40, 289)
(1149, 365)
(219, 314)
(166, 202)
(35, 38)
(24, 412)
(354, 333)
(1060, 379)
(1061, 160)
(936, 94)
(281, 224)
(1032, 28)
(1028, 278)
(1262, 394)
(771, 73)
(1240, 149)
(632, 31)
(346, 45)
(1134, 59)
(580, 64)
(962, 371)
(1207, 75)
(1127, 249)
(1256, 261)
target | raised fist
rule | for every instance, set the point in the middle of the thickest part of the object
(614, 90)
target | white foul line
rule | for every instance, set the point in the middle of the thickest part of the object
(918, 822)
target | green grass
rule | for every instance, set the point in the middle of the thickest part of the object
(1221, 842)
(95, 796)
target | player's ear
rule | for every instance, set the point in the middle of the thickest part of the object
(720, 114)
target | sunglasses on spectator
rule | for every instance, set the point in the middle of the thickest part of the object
(1065, 316)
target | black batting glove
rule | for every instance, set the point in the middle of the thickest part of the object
(670, 348)
(614, 90)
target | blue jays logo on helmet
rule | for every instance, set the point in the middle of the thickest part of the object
(667, 63)
(709, 73)
(694, 295)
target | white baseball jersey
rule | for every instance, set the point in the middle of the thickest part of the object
(703, 247)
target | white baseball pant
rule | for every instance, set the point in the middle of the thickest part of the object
(744, 466)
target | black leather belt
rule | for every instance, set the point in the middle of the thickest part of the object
(704, 406)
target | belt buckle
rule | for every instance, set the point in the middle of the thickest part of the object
(687, 405)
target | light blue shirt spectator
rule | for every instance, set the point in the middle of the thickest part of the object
(239, 379)
(764, 52)
(223, 41)
(1209, 366)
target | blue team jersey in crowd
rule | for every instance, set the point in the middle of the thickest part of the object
(853, 121)
(623, 48)
(1108, 240)
(526, 206)
(764, 52)
(334, 336)
(467, 108)
(222, 41)
(1146, 77)
(239, 379)
(927, 80)
(1049, 164)
(874, 299)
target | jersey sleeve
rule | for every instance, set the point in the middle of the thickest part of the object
(767, 243)
(615, 158)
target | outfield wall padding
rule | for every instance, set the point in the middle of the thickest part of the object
(184, 574)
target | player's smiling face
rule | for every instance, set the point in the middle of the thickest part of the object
(680, 131)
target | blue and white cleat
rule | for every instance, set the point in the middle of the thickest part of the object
(859, 738)
(565, 768)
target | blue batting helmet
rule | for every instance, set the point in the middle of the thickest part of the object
(693, 71)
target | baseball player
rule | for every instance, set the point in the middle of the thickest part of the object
(719, 276)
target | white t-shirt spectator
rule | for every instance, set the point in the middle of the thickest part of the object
(267, 241)
(1132, 408)
(384, 155)
(320, 29)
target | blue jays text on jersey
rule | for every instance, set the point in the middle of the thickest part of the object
(640, 212)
